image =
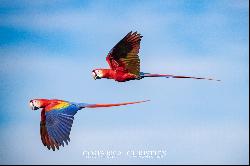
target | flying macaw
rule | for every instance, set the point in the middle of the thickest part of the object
(57, 118)
(124, 62)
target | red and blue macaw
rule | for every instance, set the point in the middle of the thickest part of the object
(124, 62)
(57, 118)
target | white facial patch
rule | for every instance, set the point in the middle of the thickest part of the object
(99, 73)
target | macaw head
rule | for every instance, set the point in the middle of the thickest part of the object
(97, 74)
(37, 103)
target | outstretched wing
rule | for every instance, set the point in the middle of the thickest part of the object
(56, 126)
(125, 54)
(46, 139)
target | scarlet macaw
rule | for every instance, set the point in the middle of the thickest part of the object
(124, 62)
(57, 118)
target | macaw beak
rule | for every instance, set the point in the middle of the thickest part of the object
(32, 106)
(95, 76)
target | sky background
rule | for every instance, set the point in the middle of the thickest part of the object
(49, 48)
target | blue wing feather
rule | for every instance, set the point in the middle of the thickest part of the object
(59, 123)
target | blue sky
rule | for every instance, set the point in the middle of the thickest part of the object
(49, 48)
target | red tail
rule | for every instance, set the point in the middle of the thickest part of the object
(173, 76)
(112, 105)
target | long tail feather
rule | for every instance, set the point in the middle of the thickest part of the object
(173, 76)
(112, 105)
